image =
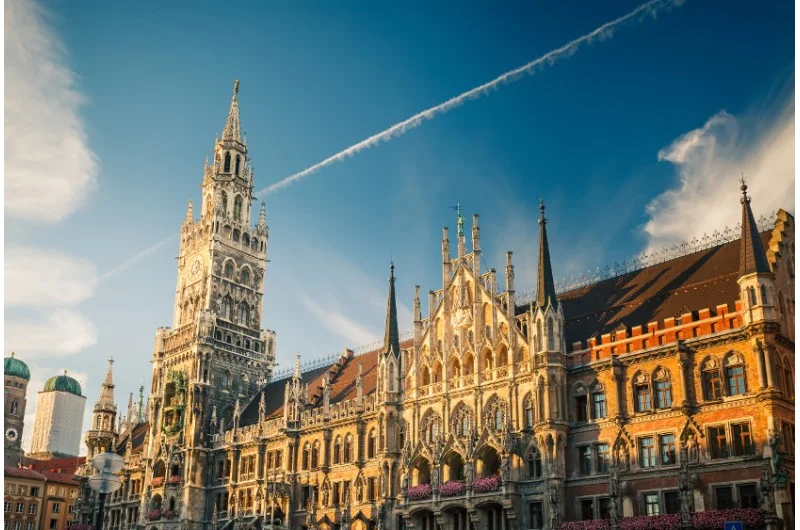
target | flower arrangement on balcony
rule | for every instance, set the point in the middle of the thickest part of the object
(157, 482)
(170, 514)
(154, 515)
(174, 479)
(422, 491)
(451, 488)
(486, 484)
(78, 526)
(708, 520)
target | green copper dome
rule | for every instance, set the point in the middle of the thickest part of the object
(15, 367)
(63, 383)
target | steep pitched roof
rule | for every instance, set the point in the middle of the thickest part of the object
(139, 435)
(700, 280)
(391, 335)
(545, 286)
(65, 465)
(21, 472)
(752, 257)
(343, 384)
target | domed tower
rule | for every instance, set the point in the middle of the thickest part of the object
(17, 376)
(59, 418)
(101, 435)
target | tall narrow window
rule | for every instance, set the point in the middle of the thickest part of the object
(585, 460)
(551, 335)
(371, 444)
(764, 299)
(238, 161)
(224, 201)
(227, 168)
(651, 504)
(751, 291)
(603, 458)
(647, 453)
(667, 443)
(529, 413)
(581, 408)
(742, 441)
(228, 272)
(534, 464)
(718, 442)
(712, 383)
(663, 394)
(734, 375)
(539, 336)
(237, 208)
(642, 392)
(598, 405)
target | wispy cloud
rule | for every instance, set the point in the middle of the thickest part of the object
(603, 32)
(709, 161)
(49, 167)
(334, 320)
(59, 333)
(46, 278)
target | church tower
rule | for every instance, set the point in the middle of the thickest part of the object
(550, 430)
(216, 353)
(102, 436)
(17, 376)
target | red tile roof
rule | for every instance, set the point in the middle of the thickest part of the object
(701, 280)
(21, 472)
(66, 465)
(343, 384)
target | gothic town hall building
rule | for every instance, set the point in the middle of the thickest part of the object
(664, 389)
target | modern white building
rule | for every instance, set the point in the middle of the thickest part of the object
(59, 418)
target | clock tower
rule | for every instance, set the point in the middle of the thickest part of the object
(215, 355)
(16, 376)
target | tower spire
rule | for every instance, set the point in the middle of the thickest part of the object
(107, 391)
(262, 216)
(232, 130)
(545, 288)
(752, 257)
(391, 337)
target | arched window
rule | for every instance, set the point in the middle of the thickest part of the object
(229, 338)
(641, 393)
(534, 464)
(228, 271)
(98, 423)
(527, 406)
(237, 208)
(581, 403)
(751, 291)
(257, 347)
(426, 376)
(224, 202)
(226, 379)
(734, 375)
(712, 382)
(306, 455)
(551, 335)
(391, 376)
(238, 161)
(14, 406)
(663, 389)
(495, 413)
(764, 299)
(227, 308)
(337, 450)
(598, 402)
(437, 372)
(227, 168)
(244, 315)
(348, 448)
(372, 444)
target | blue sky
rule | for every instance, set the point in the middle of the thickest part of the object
(635, 142)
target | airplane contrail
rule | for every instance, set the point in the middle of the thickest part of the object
(133, 260)
(398, 129)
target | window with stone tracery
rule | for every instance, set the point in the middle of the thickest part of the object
(461, 420)
(496, 412)
(227, 166)
(431, 426)
(527, 407)
(237, 208)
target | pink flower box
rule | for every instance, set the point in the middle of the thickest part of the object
(416, 493)
(174, 479)
(451, 488)
(486, 484)
(157, 482)
(170, 514)
(709, 520)
(154, 515)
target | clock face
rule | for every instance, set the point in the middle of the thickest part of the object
(11, 434)
(194, 272)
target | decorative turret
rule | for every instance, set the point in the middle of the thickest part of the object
(389, 379)
(262, 217)
(232, 130)
(391, 335)
(756, 279)
(545, 287)
(189, 213)
(102, 435)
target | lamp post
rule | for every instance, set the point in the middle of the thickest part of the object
(105, 481)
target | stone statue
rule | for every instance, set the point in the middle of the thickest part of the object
(359, 490)
(765, 487)
(468, 472)
(694, 449)
(325, 494)
(435, 477)
(505, 469)
(553, 506)
(404, 481)
(262, 408)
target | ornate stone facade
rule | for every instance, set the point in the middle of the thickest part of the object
(665, 389)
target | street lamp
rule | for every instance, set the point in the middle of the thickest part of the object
(105, 481)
